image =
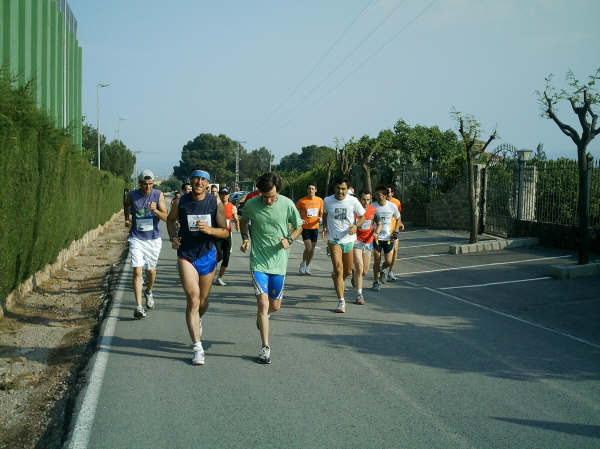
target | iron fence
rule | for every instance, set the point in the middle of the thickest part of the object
(513, 191)
(427, 182)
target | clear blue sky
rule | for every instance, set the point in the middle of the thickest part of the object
(268, 72)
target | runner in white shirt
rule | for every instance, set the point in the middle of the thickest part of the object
(384, 234)
(339, 229)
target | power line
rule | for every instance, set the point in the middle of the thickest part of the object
(365, 61)
(270, 115)
(337, 67)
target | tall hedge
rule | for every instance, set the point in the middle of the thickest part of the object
(49, 195)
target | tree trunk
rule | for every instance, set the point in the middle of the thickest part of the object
(329, 168)
(584, 211)
(473, 236)
(367, 170)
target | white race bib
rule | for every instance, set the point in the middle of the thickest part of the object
(228, 223)
(312, 212)
(193, 221)
(366, 225)
(144, 224)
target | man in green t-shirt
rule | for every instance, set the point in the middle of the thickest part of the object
(271, 215)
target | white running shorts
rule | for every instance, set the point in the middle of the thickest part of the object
(144, 252)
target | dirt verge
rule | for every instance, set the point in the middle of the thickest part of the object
(46, 339)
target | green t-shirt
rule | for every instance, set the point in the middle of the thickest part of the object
(269, 224)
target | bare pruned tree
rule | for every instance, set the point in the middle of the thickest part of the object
(470, 131)
(582, 97)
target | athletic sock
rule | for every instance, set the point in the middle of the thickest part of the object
(139, 307)
(198, 346)
(359, 291)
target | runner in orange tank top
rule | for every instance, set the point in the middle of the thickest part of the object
(311, 212)
(390, 197)
(224, 245)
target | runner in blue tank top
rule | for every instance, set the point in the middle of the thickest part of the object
(202, 220)
(143, 209)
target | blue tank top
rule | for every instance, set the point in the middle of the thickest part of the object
(145, 224)
(195, 244)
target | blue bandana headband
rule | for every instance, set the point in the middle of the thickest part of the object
(200, 174)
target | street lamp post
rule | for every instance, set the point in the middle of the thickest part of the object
(121, 119)
(136, 152)
(98, 86)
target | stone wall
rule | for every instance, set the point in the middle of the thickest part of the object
(451, 211)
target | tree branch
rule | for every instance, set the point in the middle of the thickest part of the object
(563, 127)
(492, 137)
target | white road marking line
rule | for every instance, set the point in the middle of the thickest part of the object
(483, 265)
(430, 244)
(513, 317)
(85, 419)
(422, 257)
(496, 283)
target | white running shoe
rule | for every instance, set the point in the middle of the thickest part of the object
(198, 358)
(341, 307)
(220, 282)
(360, 300)
(139, 313)
(149, 299)
(391, 276)
(307, 270)
(265, 355)
(302, 268)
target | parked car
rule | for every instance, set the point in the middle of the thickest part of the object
(235, 197)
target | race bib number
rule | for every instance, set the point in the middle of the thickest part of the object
(193, 221)
(228, 223)
(340, 213)
(312, 212)
(366, 225)
(144, 224)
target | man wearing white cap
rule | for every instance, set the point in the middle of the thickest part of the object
(144, 208)
(202, 220)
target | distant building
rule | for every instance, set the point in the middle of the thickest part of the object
(38, 43)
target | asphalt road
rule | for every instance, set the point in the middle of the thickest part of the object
(474, 351)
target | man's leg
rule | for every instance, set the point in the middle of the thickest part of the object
(366, 257)
(306, 255)
(225, 246)
(376, 267)
(137, 285)
(266, 306)
(347, 262)
(338, 269)
(389, 258)
(311, 250)
(394, 256)
(358, 268)
(196, 289)
(358, 275)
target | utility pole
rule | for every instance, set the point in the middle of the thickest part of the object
(237, 165)
(98, 86)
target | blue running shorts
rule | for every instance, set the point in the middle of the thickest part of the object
(272, 284)
(205, 264)
(384, 245)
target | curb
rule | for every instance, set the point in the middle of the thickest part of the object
(50, 269)
(84, 408)
(574, 271)
(493, 245)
